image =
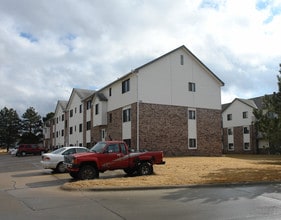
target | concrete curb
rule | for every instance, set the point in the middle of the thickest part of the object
(135, 188)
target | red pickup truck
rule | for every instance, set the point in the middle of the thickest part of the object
(111, 155)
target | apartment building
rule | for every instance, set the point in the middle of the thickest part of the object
(172, 103)
(239, 133)
(75, 117)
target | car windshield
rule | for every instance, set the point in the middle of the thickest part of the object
(58, 151)
(98, 148)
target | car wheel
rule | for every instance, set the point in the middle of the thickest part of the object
(23, 154)
(60, 168)
(145, 168)
(88, 172)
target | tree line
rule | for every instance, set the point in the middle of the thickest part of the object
(268, 119)
(26, 129)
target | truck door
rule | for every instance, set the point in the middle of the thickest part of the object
(113, 157)
(108, 157)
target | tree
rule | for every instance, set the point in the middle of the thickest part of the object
(268, 119)
(49, 116)
(31, 127)
(9, 127)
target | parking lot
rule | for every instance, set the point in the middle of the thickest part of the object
(28, 192)
(21, 172)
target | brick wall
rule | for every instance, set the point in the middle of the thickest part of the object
(165, 128)
(209, 132)
(114, 128)
(239, 141)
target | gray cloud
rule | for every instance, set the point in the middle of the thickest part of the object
(47, 48)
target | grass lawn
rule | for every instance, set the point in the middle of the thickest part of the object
(196, 170)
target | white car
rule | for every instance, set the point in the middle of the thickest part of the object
(13, 150)
(54, 160)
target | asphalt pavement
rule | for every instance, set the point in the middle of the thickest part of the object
(28, 192)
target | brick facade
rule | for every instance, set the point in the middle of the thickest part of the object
(165, 128)
(239, 141)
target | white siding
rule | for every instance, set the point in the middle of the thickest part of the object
(88, 132)
(166, 82)
(101, 117)
(119, 99)
(126, 127)
(236, 109)
(76, 137)
(59, 126)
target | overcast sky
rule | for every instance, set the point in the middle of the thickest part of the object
(49, 47)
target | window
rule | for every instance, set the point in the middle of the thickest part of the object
(71, 113)
(229, 117)
(75, 110)
(88, 125)
(123, 148)
(126, 86)
(80, 108)
(70, 130)
(57, 120)
(127, 115)
(182, 60)
(246, 130)
(192, 143)
(191, 114)
(230, 147)
(62, 132)
(229, 131)
(89, 103)
(246, 146)
(57, 134)
(80, 127)
(191, 87)
(62, 117)
(97, 109)
(113, 148)
(110, 91)
(245, 114)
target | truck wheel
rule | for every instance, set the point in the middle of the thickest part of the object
(145, 168)
(74, 175)
(88, 172)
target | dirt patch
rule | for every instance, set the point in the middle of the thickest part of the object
(196, 170)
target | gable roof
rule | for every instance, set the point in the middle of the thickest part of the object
(62, 104)
(256, 102)
(179, 48)
(248, 102)
(82, 93)
(192, 55)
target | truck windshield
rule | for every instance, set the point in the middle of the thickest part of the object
(98, 148)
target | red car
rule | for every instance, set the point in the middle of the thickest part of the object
(34, 149)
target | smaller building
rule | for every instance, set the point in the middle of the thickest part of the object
(239, 133)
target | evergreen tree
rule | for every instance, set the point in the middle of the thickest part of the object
(31, 127)
(268, 119)
(9, 127)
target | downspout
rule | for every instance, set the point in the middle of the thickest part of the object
(138, 113)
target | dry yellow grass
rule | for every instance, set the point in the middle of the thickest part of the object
(196, 170)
